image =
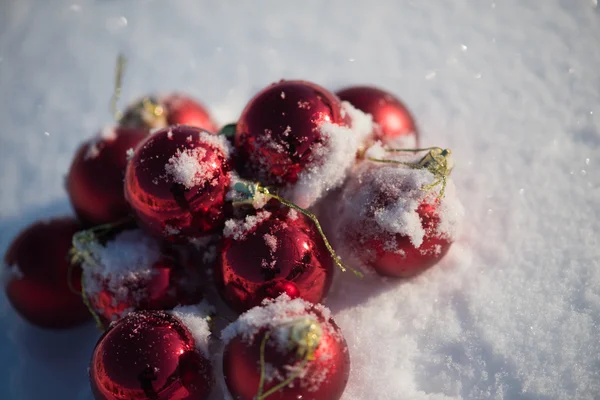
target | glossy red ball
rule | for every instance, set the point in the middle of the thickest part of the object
(95, 179)
(376, 205)
(278, 130)
(323, 376)
(177, 180)
(152, 279)
(39, 274)
(156, 112)
(280, 252)
(395, 123)
(149, 355)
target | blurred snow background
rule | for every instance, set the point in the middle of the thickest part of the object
(513, 87)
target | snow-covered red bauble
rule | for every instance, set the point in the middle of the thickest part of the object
(295, 135)
(95, 180)
(156, 112)
(393, 218)
(272, 252)
(133, 272)
(177, 180)
(40, 283)
(394, 124)
(152, 355)
(286, 349)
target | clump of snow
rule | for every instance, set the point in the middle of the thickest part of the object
(188, 168)
(129, 154)
(271, 241)
(217, 141)
(238, 228)
(275, 313)
(330, 160)
(123, 263)
(9, 273)
(196, 318)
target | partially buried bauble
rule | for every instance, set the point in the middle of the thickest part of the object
(133, 272)
(154, 355)
(295, 135)
(397, 220)
(95, 179)
(160, 111)
(177, 180)
(40, 282)
(286, 349)
(394, 124)
(271, 252)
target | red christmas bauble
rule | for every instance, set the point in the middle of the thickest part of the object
(156, 112)
(270, 253)
(177, 180)
(388, 219)
(95, 179)
(39, 273)
(305, 353)
(395, 124)
(278, 134)
(152, 355)
(132, 272)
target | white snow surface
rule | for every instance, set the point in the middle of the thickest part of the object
(512, 87)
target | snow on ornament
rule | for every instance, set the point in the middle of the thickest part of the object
(398, 213)
(268, 253)
(95, 179)
(177, 180)
(393, 124)
(154, 355)
(285, 349)
(39, 281)
(295, 136)
(132, 272)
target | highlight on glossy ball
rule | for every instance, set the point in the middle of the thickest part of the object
(95, 179)
(286, 349)
(278, 132)
(153, 355)
(176, 182)
(40, 283)
(395, 124)
(270, 253)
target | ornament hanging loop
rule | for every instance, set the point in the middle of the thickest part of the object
(119, 72)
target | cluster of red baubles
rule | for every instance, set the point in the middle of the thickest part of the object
(167, 166)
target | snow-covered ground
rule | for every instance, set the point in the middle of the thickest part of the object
(512, 86)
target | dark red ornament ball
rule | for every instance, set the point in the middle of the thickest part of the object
(40, 273)
(393, 119)
(95, 179)
(323, 375)
(149, 355)
(156, 112)
(177, 180)
(281, 252)
(278, 130)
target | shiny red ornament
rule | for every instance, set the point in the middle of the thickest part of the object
(177, 180)
(39, 274)
(132, 272)
(156, 112)
(150, 355)
(95, 179)
(375, 202)
(273, 252)
(304, 354)
(278, 131)
(395, 123)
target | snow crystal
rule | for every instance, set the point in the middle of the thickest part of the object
(196, 318)
(130, 152)
(331, 160)
(237, 229)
